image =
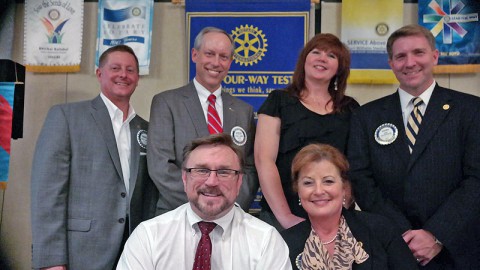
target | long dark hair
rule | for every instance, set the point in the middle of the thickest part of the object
(325, 42)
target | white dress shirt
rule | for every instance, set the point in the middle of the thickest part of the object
(203, 95)
(121, 129)
(239, 241)
(407, 105)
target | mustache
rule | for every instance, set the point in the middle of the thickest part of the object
(210, 190)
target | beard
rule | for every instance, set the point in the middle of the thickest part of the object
(211, 209)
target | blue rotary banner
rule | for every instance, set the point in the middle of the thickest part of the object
(268, 36)
(456, 28)
(6, 113)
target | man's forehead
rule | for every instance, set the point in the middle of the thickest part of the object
(224, 155)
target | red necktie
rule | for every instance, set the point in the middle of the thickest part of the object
(204, 248)
(213, 120)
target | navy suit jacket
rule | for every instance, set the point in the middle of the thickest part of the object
(79, 203)
(437, 187)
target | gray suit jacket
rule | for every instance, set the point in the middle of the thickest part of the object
(176, 118)
(78, 197)
(437, 187)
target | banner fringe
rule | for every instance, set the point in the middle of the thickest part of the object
(46, 69)
(372, 76)
(441, 69)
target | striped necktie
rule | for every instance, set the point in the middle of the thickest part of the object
(213, 120)
(204, 248)
(413, 123)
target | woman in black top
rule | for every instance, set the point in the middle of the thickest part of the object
(333, 237)
(312, 109)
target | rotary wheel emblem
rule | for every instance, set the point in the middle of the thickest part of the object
(250, 45)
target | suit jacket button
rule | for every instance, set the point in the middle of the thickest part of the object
(121, 220)
(123, 194)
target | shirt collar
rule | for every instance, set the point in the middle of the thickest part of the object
(203, 93)
(405, 97)
(113, 109)
(224, 223)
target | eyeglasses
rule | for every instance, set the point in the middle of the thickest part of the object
(204, 173)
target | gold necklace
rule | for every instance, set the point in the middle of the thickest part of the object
(328, 242)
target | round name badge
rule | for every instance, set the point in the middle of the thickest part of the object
(239, 136)
(386, 134)
(142, 138)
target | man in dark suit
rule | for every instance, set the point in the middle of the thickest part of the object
(90, 187)
(180, 115)
(417, 161)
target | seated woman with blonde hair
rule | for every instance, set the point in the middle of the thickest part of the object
(333, 237)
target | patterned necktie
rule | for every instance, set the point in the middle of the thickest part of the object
(213, 120)
(204, 248)
(413, 123)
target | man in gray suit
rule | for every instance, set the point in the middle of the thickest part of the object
(90, 187)
(178, 116)
(414, 157)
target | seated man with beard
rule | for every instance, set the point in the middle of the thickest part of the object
(210, 231)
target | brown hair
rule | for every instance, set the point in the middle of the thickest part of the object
(215, 140)
(325, 42)
(119, 48)
(316, 153)
(407, 31)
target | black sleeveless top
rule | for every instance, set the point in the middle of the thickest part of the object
(300, 127)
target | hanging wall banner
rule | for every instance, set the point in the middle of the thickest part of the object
(268, 36)
(456, 28)
(366, 26)
(127, 22)
(6, 114)
(53, 35)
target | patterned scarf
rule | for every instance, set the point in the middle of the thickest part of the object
(347, 250)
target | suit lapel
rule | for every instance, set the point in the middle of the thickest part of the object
(104, 124)
(194, 108)
(134, 153)
(434, 116)
(228, 112)
(393, 114)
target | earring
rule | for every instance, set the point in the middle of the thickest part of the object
(336, 84)
(299, 202)
(344, 201)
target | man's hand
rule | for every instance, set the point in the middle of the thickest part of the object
(423, 245)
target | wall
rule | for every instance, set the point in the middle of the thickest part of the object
(168, 70)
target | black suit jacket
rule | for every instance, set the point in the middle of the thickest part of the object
(437, 187)
(386, 249)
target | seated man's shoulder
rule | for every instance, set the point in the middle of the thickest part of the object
(170, 218)
(252, 224)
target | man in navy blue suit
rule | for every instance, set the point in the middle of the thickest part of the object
(426, 179)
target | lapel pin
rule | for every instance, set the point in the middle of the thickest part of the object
(446, 107)
(239, 135)
(386, 134)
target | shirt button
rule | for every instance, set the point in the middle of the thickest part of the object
(121, 220)
(123, 194)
